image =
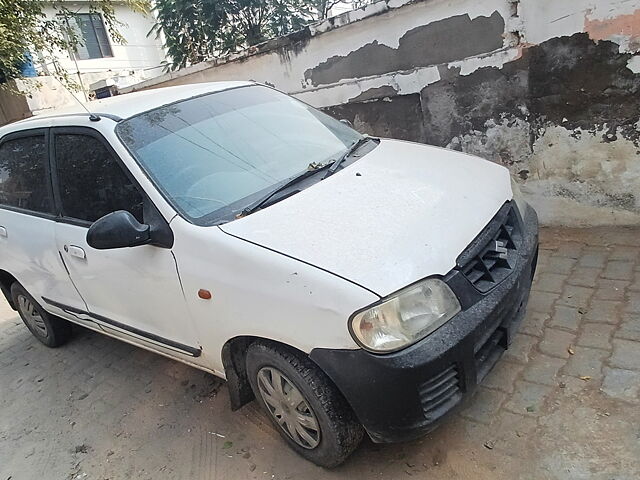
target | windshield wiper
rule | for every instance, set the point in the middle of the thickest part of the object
(355, 146)
(311, 170)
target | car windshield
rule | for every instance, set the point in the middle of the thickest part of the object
(213, 155)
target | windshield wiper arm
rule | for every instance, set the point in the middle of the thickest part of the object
(355, 146)
(312, 169)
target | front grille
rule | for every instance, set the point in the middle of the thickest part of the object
(439, 394)
(492, 256)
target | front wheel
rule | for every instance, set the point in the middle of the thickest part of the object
(48, 329)
(303, 404)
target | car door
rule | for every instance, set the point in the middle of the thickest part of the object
(133, 292)
(27, 219)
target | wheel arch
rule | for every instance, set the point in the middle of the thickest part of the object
(234, 353)
(6, 280)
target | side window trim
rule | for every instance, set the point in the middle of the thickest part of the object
(34, 132)
(91, 132)
(53, 175)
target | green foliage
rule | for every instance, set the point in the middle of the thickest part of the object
(323, 7)
(24, 27)
(195, 31)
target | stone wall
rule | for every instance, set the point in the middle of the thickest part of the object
(548, 88)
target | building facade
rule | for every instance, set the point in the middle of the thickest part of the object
(100, 57)
(99, 63)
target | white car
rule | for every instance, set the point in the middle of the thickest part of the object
(350, 284)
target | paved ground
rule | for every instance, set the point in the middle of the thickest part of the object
(564, 403)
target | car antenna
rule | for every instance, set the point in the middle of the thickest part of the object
(93, 117)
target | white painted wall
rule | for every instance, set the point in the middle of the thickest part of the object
(141, 54)
(287, 74)
(534, 20)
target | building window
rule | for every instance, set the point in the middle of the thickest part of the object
(92, 35)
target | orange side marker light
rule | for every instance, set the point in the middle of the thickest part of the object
(204, 294)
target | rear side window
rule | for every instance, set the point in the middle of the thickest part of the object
(92, 183)
(24, 178)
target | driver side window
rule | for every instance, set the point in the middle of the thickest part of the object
(91, 182)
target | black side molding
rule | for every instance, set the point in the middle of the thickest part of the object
(64, 307)
(194, 352)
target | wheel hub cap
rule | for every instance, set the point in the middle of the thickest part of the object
(288, 407)
(31, 315)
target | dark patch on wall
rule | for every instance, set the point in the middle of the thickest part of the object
(375, 93)
(397, 117)
(575, 82)
(459, 104)
(292, 44)
(568, 81)
(443, 41)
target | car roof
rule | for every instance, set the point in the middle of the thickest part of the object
(129, 104)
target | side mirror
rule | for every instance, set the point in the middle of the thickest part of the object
(117, 230)
(346, 122)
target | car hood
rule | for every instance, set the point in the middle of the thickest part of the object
(402, 212)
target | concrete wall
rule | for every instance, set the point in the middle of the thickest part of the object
(12, 107)
(548, 88)
(39, 95)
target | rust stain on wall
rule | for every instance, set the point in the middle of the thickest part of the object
(443, 41)
(623, 25)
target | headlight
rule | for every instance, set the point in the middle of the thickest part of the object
(518, 198)
(406, 317)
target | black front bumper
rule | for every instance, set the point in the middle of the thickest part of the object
(403, 395)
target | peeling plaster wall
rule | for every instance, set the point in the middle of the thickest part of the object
(548, 88)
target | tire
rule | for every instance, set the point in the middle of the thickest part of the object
(50, 330)
(338, 431)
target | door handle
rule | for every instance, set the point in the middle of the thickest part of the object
(3, 231)
(75, 251)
